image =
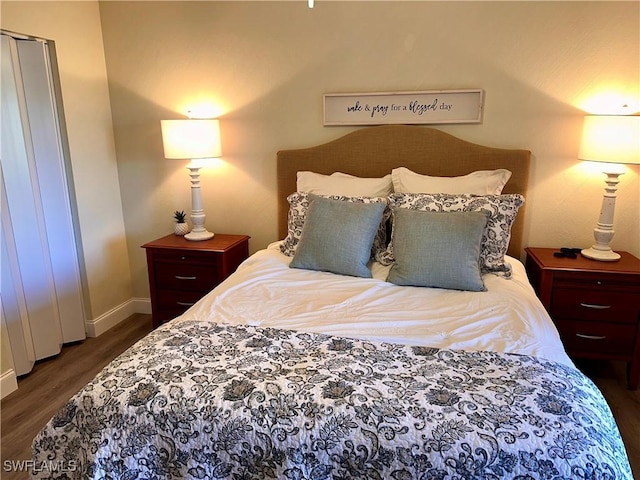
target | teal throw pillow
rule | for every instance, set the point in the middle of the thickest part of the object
(337, 237)
(437, 249)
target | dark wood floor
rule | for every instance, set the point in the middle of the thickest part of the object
(52, 382)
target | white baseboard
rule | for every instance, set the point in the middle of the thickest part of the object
(110, 319)
(143, 305)
(8, 383)
(94, 328)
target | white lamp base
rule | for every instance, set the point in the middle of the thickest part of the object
(196, 236)
(198, 232)
(603, 233)
(601, 255)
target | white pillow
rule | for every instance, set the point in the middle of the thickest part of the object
(481, 182)
(342, 184)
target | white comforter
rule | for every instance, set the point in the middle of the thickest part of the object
(265, 292)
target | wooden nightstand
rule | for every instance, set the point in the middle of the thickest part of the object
(595, 305)
(181, 272)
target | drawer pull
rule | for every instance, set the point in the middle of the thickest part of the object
(185, 304)
(181, 277)
(591, 337)
(595, 307)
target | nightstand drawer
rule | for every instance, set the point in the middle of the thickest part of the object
(595, 281)
(177, 300)
(601, 337)
(182, 256)
(186, 276)
(595, 305)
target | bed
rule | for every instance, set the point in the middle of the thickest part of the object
(292, 370)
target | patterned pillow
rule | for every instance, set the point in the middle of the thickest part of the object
(298, 206)
(501, 211)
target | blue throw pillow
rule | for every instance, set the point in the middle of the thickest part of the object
(337, 237)
(437, 249)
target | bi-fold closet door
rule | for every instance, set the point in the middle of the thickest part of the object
(41, 283)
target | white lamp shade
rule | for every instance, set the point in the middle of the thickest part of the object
(191, 138)
(611, 138)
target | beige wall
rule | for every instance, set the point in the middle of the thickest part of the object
(263, 67)
(75, 28)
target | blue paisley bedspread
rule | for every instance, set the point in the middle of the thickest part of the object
(196, 399)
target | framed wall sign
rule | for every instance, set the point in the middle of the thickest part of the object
(435, 106)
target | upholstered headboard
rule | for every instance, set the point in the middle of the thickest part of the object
(374, 151)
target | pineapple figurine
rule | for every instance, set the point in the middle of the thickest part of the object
(181, 227)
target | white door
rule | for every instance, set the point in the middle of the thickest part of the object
(41, 281)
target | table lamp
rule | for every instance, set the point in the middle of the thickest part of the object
(193, 139)
(612, 139)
